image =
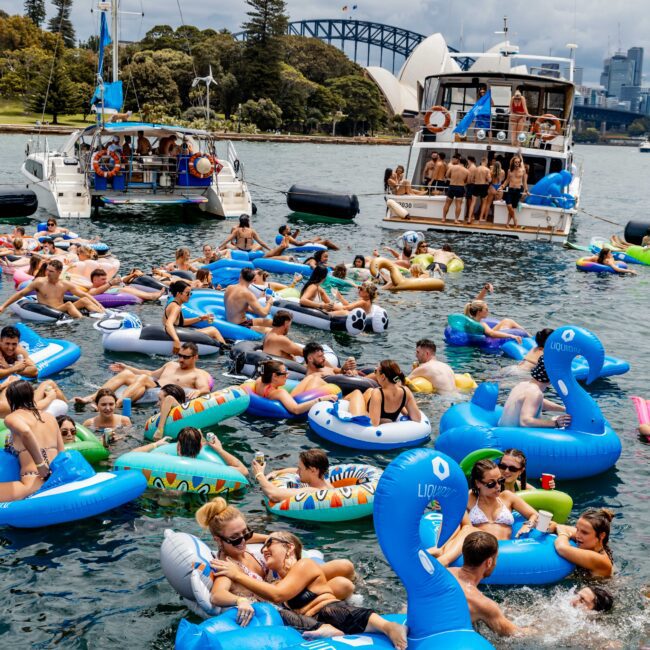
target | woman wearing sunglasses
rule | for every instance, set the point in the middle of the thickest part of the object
(270, 386)
(309, 604)
(366, 300)
(230, 531)
(489, 509)
(513, 471)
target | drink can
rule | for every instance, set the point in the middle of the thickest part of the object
(126, 407)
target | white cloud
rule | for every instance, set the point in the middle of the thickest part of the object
(539, 28)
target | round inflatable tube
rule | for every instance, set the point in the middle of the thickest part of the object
(21, 276)
(335, 423)
(356, 274)
(73, 491)
(611, 365)
(124, 332)
(201, 412)
(400, 283)
(583, 264)
(464, 383)
(147, 283)
(164, 469)
(245, 256)
(28, 308)
(17, 202)
(465, 331)
(319, 202)
(410, 238)
(597, 244)
(640, 254)
(352, 496)
(183, 275)
(117, 299)
(377, 320)
(282, 267)
(635, 231)
(201, 305)
(529, 560)
(271, 408)
(226, 263)
(354, 323)
(642, 408)
(99, 247)
(49, 355)
(42, 227)
(306, 248)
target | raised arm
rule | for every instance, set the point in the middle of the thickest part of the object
(228, 458)
(18, 295)
(256, 306)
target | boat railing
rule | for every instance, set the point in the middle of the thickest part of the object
(233, 159)
(546, 131)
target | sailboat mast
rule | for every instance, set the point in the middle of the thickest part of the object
(115, 38)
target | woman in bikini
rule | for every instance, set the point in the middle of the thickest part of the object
(107, 420)
(494, 191)
(230, 531)
(34, 439)
(388, 402)
(313, 295)
(244, 238)
(489, 509)
(366, 300)
(518, 116)
(270, 386)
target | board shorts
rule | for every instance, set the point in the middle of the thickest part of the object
(248, 323)
(347, 618)
(456, 192)
(513, 196)
(470, 190)
(481, 190)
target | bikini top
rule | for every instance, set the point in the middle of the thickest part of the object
(504, 517)
(391, 415)
(301, 600)
(181, 319)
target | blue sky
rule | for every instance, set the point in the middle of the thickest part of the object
(593, 24)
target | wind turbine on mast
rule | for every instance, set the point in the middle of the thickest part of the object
(207, 81)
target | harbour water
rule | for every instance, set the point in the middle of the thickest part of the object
(98, 583)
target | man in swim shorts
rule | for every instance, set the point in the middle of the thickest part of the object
(277, 341)
(439, 374)
(480, 550)
(526, 402)
(516, 184)
(183, 372)
(313, 465)
(469, 188)
(239, 299)
(457, 176)
(438, 181)
(441, 258)
(482, 179)
(427, 172)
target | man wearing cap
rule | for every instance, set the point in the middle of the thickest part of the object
(526, 403)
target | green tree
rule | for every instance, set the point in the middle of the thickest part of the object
(362, 103)
(228, 93)
(54, 94)
(590, 134)
(317, 60)
(61, 23)
(35, 11)
(264, 48)
(81, 64)
(263, 113)
(293, 94)
(154, 84)
(18, 32)
(638, 127)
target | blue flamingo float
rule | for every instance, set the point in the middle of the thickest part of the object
(588, 447)
(438, 616)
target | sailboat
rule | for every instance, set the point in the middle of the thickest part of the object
(117, 162)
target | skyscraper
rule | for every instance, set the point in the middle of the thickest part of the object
(636, 55)
(621, 73)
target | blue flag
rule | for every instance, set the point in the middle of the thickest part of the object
(482, 108)
(104, 40)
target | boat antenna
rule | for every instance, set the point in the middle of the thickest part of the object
(207, 81)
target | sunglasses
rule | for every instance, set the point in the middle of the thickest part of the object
(236, 541)
(281, 374)
(269, 542)
(66, 432)
(490, 485)
(510, 468)
(184, 356)
(51, 224)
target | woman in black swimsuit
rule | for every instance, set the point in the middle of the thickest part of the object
(34, 439)
(308, 602)
(388, 402)
(244, 238)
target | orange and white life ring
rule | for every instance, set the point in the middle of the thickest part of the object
(434, 111)
(546, 133)
(191, 165)
(103, 171)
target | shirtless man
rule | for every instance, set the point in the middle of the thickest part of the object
(316, 363)
(173, 315)
(244, 238)
(183, 373)
(482, 180)
(285, 231)
(439, 374)
(469, 188)
(442, 257)
(457, 176)
(427, 172)
(438, 180)
(238, 299)
(313, 464)
(277, 341)
(14, 359)
(480, 552)
(526, 402)
(101, 284)
(51, 291)
(516, 184)
(143, 147)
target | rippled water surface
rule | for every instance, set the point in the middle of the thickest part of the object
(98, 583)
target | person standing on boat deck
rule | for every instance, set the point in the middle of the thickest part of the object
(482, 178)
(144, 146)
(518, 116)
(457, 176)
(517, 185)
(469, 188)
(127, 150)
(427, 172)
(438, 182)
(239, 299)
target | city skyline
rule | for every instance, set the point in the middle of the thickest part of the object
(594, 25)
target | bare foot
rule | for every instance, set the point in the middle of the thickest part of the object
(324, 631)
(397, 635)
(82, 401)
(434, 551)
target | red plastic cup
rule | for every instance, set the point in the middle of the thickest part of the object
(546, 481)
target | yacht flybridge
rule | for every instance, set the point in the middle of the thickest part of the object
(118, 163)
(470, 113)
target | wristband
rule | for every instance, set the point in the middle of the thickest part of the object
(41, 464)
(240, 599)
